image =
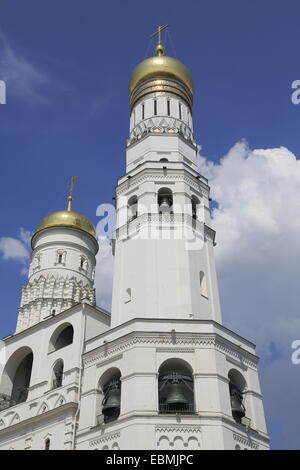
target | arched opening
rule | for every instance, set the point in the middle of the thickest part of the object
(176, 387)
(195, 204)
(203, 284)
(110, 386)
(57, 374)
(237, 386)
(62, 337)
(47, 444)
(165, 201)
(16, 378)
(163, 160)
(132, 208)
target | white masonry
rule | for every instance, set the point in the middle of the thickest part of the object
(160, 372)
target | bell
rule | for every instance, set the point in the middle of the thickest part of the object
(112, 399)
(164, 205)
(175, 394)
(236, 399)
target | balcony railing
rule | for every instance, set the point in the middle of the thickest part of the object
(165, 221)
(187, 409)
(7, 402)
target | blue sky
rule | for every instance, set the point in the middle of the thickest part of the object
(67, 64)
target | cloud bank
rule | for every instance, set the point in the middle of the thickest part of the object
(257, 220)
(17, 249)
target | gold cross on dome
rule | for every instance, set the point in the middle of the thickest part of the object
(159, 30)
(71, 185)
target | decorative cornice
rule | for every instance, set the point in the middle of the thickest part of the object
(244, 441)
(156, 174)
(184, 341)
(191, 429)
(107, 438)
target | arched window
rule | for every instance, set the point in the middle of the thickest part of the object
(83, 264)
(195, 203)
(61, 257)
(57, 374)
(163, 160)
(165, 200)
(175, 387)
(203, 284)
(237, 386)
(132, 208)
(16, 377)
(110, 386)
(62, 336)
(47, 444)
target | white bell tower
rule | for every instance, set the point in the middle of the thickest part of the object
(167, 375)
(164, 261)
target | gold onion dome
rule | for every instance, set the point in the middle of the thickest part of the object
(67, 218)
(157, 71)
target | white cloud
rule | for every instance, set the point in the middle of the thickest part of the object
(16, 249)
(257, 221)
(23, 79)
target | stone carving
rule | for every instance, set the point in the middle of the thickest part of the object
(178, 437)
(161, 125)
(246, 442)
(51, 295)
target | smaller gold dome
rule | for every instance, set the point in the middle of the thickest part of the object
(67, 218)
(160, 66)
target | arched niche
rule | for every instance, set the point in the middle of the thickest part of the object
(165, 200)
(62, 337)
(110, 389)
(16, 377)
(132, 208)
(237, 387)
(175, 387)
(57, 374)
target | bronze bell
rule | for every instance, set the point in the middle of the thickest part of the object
(112, 397)
(164, 205)
(175, 395)
(236, 399)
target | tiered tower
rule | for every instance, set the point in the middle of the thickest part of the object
(62, 267)
(167, 375)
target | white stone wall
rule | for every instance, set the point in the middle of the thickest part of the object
(61, 274)
(138, 349)
(47, 411)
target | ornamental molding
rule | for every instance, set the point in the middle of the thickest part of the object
(108, 361)
(147, 175)
(133, 339)
(175, 350)
(244, 441)
(184, 342)
(107, 438)
(161, 125)
(191, 429)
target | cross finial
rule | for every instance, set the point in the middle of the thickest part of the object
(71, 188)
(159, 47)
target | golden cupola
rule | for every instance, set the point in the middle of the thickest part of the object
(67, 218)
(160, 74)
